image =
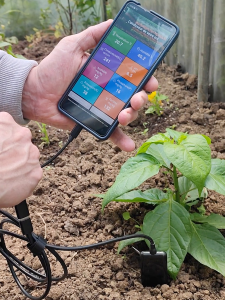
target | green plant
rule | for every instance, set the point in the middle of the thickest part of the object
(45, 138)
(178, 223)
(108, 10)
(6, 44)
(73, 17)
(156, 99)
(127, 216)
(20, 16)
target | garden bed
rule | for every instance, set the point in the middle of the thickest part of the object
(63, 207)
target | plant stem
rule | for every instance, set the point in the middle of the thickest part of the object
(175, 178)
(70, 18)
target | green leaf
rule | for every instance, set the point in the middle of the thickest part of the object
(150, 110)
(208, 247)
(99, 195)
(19, 56)
(176, 135)
(157, 151)
(12, 40)
(201, 209)
(216, 179)
(188, 190)
(2, 36)
(192, 158)
(2, 2)
(215, 220)
(134, 172)
(207, 139)
(4, 44)
(126, 216)
(185, 185)
(12, 11)
(156, 139)
(126, 243)
(161, 97)
(152, 196)
(169, 226)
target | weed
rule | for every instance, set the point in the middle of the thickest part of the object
(156, 99)
(45, 138)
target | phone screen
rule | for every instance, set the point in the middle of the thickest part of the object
(117, 68)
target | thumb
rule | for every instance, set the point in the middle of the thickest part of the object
(90, 37)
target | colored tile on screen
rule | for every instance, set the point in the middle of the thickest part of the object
(120, 87)
(143, 55)
(120, 40)
(87, 89)
(109, 104)
(131, 71)
(109, 57)
(98, 73)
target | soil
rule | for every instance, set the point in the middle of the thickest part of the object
(64, 209)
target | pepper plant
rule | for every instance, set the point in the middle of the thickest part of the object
(178, 223)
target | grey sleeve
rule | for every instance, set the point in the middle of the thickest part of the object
(13, 74)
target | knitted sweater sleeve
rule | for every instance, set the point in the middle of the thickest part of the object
(13, 74)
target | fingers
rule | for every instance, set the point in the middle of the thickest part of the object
(152, 85)
(127, 116)
(90, 37)
(124, 142)
(137, 102)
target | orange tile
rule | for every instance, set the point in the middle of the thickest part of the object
(131, 71)
(109, 104)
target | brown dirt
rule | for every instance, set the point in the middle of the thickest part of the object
(63, 207)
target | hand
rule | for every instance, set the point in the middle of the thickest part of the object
(48, 81)
(20, 169)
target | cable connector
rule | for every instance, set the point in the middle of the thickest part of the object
(37, 246)
(24, 218)
(75, 132)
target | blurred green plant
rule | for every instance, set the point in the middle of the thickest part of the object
(6, 44)
(108, 10)
(45, 137)
(73, 17)
(156, 99)
(19, 17)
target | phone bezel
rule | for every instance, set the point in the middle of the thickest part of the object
(139, 88)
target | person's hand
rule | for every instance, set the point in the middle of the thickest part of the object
(20, 170)
(48, 81)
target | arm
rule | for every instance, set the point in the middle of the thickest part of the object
(13, 74)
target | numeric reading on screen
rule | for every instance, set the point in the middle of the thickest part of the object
(119, 65)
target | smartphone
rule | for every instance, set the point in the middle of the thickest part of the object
(120, 65)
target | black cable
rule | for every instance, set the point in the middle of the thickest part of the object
(73, 134)
(38, 245)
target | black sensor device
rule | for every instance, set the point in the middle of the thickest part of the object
(153, 268)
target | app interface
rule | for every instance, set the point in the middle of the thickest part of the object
(117, 68)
